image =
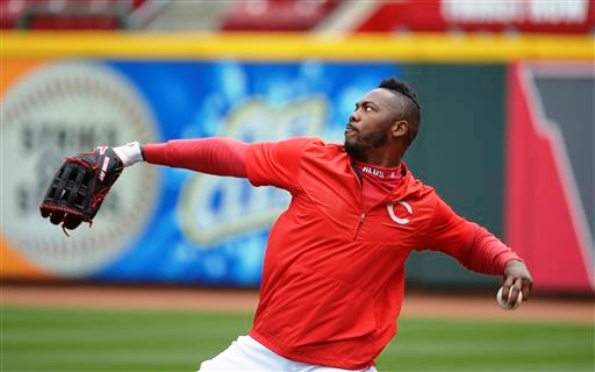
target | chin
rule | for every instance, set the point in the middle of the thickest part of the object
(354, 150)
(348, 144)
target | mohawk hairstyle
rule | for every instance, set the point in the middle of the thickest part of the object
(413, 109)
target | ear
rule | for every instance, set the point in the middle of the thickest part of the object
(400, 128)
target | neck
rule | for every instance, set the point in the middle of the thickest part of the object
(384, 158)
(383, 162)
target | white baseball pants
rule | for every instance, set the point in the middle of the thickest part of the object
(247, 354)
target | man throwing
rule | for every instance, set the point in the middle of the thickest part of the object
(333, 278)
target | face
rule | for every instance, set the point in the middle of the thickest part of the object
(370, 124)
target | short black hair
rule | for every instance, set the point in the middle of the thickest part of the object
(413, 109)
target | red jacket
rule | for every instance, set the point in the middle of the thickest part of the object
(333, 276)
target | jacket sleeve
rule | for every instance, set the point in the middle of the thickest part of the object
(215, 155)
(472, 245)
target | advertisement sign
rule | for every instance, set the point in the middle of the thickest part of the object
(547, 16)
(158, 224)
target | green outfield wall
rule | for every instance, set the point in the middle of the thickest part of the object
(460, 152)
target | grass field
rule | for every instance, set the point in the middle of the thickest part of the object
(84, 340)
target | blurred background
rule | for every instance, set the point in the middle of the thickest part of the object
(507, 89)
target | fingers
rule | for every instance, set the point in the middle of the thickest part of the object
(517, 282)
(506, 285)
(511, 288)
(513, 293)
(516, 291)
(526, 288)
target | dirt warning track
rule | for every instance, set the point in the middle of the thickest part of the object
(417, 304)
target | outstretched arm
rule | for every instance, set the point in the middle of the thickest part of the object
(215, 155)
(78, 189)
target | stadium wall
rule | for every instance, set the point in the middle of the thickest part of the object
(63, 93)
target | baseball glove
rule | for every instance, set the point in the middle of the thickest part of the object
(79, 187)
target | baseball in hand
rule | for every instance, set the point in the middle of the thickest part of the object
(506, 305)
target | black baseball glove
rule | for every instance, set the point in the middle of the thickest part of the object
(79, 187)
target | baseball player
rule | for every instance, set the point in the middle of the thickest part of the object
(333, 276)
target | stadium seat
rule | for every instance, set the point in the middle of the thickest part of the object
(66, 14)
(277, 15)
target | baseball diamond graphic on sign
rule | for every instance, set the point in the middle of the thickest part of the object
(57, 110)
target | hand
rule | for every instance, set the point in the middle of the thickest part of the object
(516, 279)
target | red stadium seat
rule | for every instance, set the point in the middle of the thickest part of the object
(66, 14)
(10, 12)
(277, 15)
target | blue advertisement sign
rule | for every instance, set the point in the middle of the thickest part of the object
(186, 227)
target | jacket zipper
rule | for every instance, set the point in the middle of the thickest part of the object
(360, 222)
(362, 216)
